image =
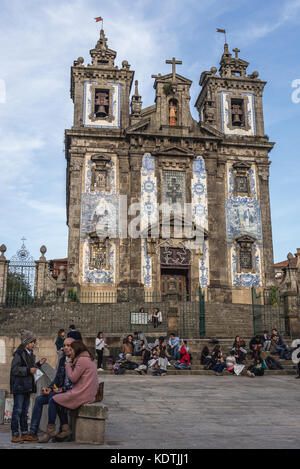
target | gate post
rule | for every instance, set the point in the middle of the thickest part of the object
(202, 328)
(3, 274)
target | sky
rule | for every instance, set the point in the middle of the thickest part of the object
(39, 41)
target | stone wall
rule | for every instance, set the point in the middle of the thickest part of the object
(9, 343)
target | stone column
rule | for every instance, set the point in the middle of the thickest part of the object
(3, 274)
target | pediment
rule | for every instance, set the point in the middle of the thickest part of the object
(210, 131)
(139, 126)
(169, 79)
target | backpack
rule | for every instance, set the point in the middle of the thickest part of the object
(128, 365)
(273, 364)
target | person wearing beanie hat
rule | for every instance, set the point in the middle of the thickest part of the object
(22, 384)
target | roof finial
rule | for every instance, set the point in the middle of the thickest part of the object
(236, 51)
(174, 62)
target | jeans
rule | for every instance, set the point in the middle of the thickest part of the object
(100, 358)
(20, 413)
(175, 352)
(281, 349)
(40, 401)
(219, 367)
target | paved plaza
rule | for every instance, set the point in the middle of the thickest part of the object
(178, 412)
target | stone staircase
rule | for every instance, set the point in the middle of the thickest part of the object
(196, 345)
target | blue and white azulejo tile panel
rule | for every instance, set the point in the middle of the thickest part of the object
(100, 214)
(200, 214)
(240, 279)
(199, 193)
(243, 217)
(149, 212)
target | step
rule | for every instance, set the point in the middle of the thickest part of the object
(172, 372)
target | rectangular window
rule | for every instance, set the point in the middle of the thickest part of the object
(237, 112)
(101, 107)
(173, 187)
(245, 259)
(242, 184)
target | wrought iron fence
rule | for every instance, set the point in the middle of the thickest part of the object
(268, 311)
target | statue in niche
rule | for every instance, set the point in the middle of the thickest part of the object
(101, 103)
(172, 112)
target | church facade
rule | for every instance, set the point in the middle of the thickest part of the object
(125, 162)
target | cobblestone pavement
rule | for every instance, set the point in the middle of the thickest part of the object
(180, 412)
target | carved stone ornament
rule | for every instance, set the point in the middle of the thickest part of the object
(99, 253)
(100, 173)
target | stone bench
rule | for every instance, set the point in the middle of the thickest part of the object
(88, 422)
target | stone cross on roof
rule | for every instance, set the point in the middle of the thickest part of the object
(174, 62)
(236, 51)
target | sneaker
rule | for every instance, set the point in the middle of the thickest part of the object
(297, 377)
(219, 374)
(138, 371)
(29, 438)
(100, 369)
(17, 439)
(251, 375)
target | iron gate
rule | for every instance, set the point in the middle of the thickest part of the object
(268, 311)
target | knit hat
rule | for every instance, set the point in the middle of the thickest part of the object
(27, 337)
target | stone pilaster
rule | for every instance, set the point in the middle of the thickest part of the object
(75, 189)
(43, 283)
(3, 274)
(135, 244)
(218, 267)
(268, 258)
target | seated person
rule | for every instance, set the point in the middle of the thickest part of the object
(266, 341)
(278, 347)
(218, 363)
(184, 361)
(174, 346)
(231, 361)
(127, 347)
(257, 368)
(255, 345)
(205, 355)
(240, 355)
(155, 317)
(137, 336)
(146, 355)
(60, 384)
(138, 348)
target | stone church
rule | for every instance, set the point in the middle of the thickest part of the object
(119, 153)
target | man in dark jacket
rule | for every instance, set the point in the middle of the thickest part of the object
(61, 383)
(73, 333)
(22, 384)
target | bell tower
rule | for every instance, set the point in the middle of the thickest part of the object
(100, 92)
(231, 102)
